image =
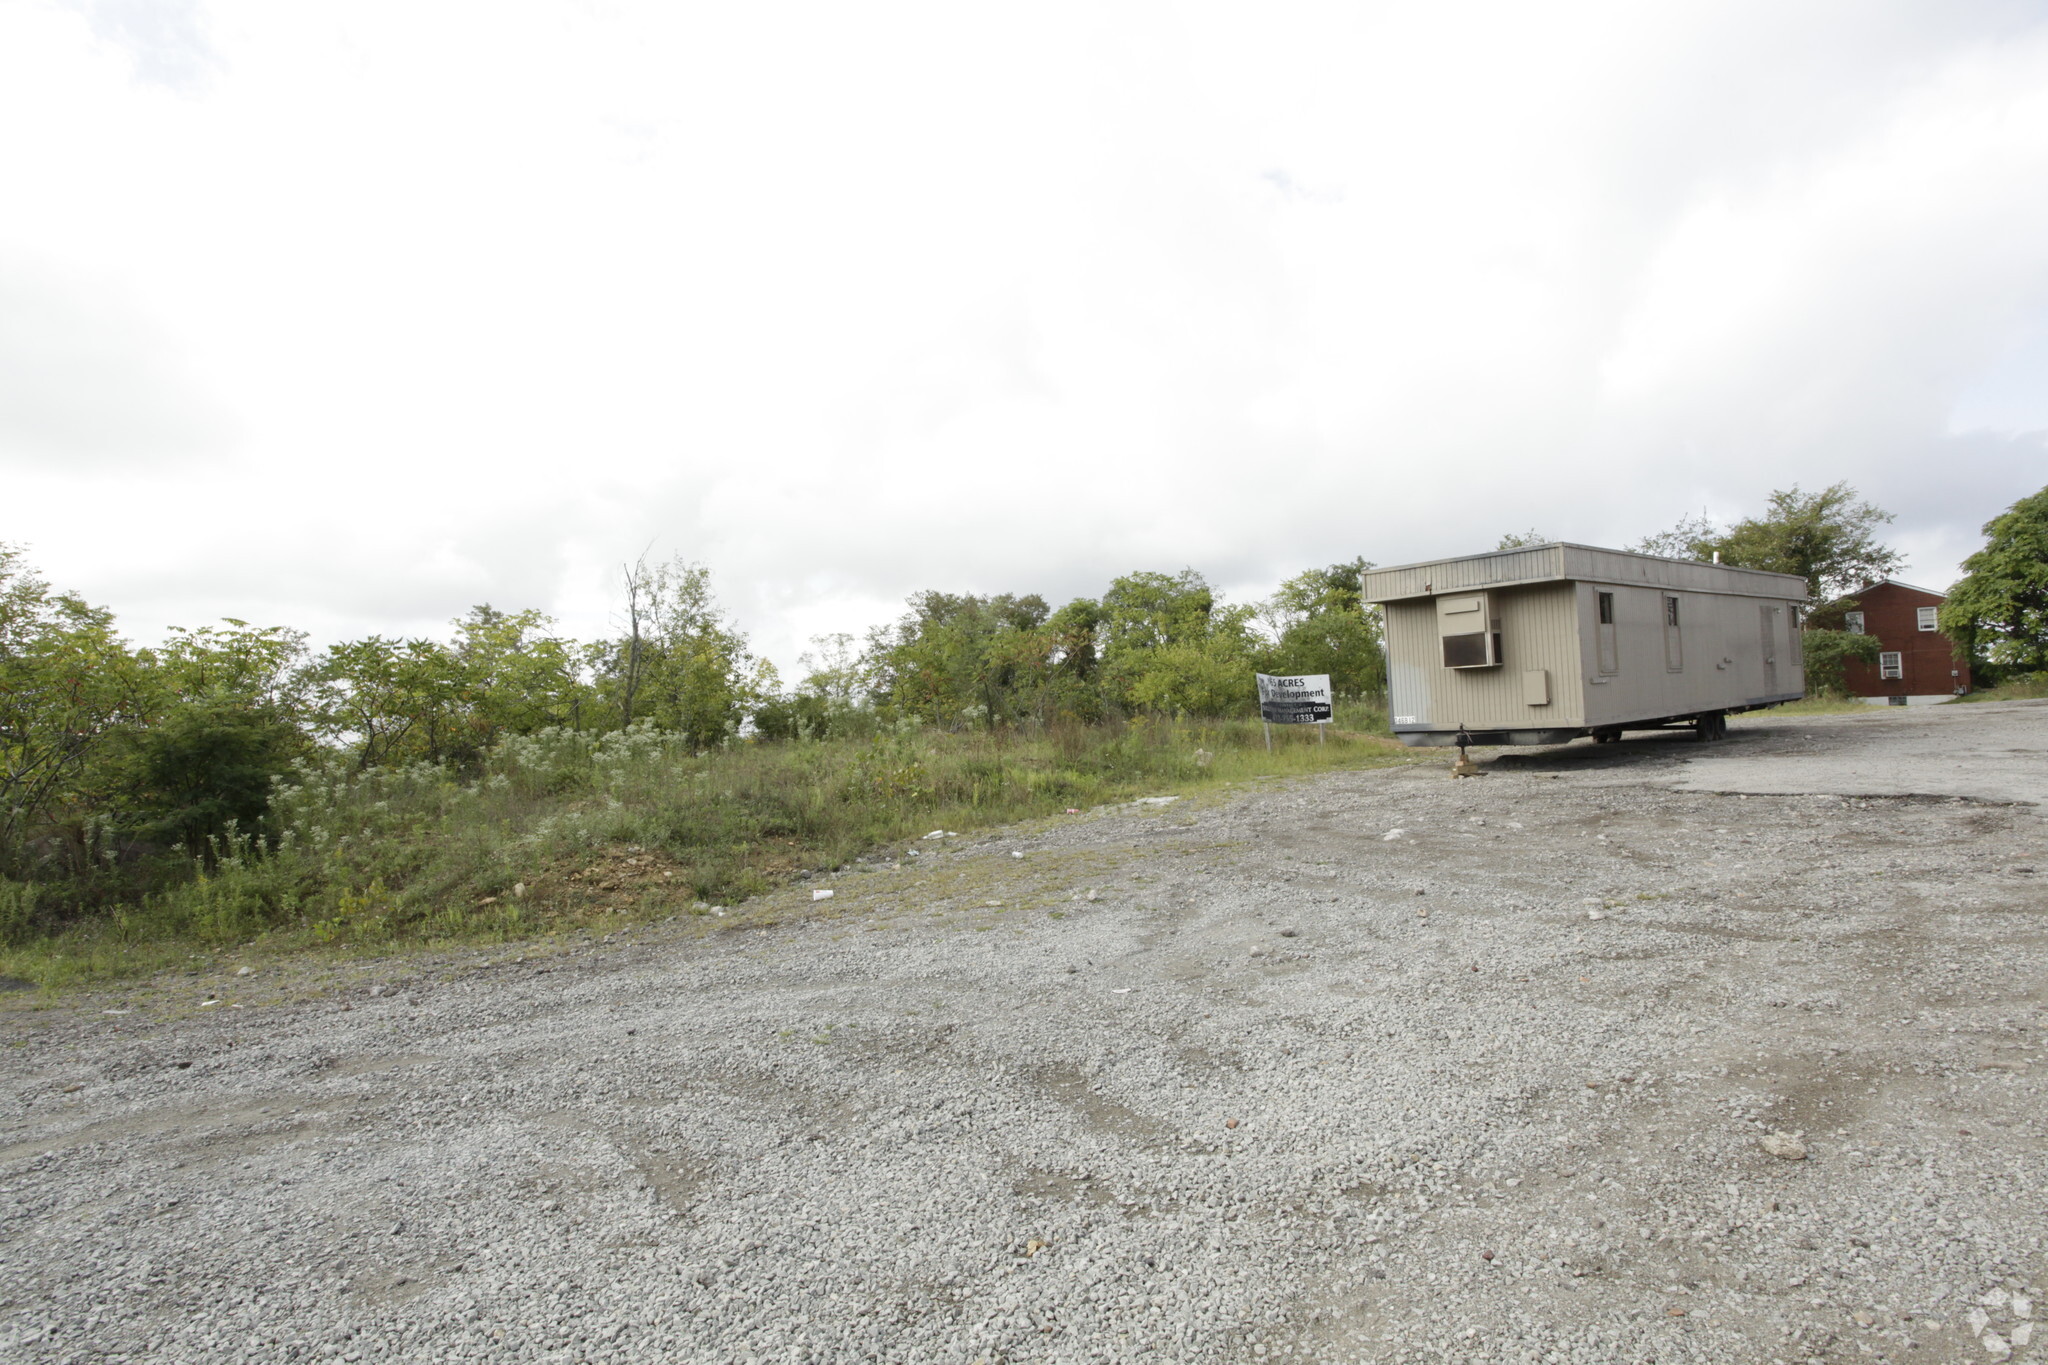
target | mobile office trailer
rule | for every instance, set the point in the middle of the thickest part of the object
(1545, 643)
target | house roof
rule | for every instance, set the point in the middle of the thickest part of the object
(1895, 583)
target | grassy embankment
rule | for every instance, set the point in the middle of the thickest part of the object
(564, 831)
(2029, 687)
(2026, 687)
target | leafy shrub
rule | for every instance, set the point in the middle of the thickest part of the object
(1827, 655)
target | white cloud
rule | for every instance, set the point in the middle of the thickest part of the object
(360, 316)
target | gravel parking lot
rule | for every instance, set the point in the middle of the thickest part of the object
(1379, 1066)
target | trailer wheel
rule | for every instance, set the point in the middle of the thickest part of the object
(1606, 736)
(1710, 725)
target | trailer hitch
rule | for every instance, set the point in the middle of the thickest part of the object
(1464, 767)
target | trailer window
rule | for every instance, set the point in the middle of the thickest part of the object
(1674, 643)
(1891, 664)
(1926, 615)
(1610, 661)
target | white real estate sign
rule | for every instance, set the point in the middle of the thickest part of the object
(1302, 699)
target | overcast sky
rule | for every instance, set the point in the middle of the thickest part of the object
(349, 316)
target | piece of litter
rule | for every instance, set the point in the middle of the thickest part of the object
(1155, 800)
(117, 1011)
(1392, 835)
(243, 971)
(1596, 914)
(1121, 990)
(936, 834)
(821, 895)
(1015, 854)
(1072, 811)
(204, 1003)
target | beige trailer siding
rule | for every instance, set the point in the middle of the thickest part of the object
(1720, 659)
(1539, 632)
(1685, 639)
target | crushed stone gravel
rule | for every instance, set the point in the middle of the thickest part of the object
(1230, 1078)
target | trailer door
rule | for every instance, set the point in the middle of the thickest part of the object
(1767, 621)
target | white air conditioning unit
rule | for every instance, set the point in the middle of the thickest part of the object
(1469, 630)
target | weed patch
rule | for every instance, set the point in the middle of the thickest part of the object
(570, 831)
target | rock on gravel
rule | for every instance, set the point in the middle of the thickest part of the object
(1784, 1145)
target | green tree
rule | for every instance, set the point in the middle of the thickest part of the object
(520, 676)
(1168, 646)
(832, 699)
(1999, 612)
(1321, 625)
(1207, 676)
(395, 701)
(1827, 654)
(1150, 610)
(69, 686)
(685, 666)
(1828, 538)
(1073, 682)
(957, 658)
(229, 708)
(258, 666)
(1515, 540)
(204, 768)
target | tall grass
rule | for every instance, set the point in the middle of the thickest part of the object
(561, 827)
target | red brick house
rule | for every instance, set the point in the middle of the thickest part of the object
(1916, 664)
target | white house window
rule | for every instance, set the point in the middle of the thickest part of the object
(1891, 664)
(1926, 615)
(1854, 620)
